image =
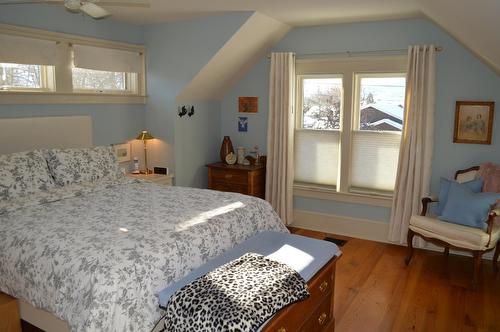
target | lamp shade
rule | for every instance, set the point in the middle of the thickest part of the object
(144, 136)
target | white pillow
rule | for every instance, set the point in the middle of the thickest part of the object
(69, 166)
(23, 173)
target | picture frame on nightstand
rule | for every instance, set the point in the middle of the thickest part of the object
(122, 152)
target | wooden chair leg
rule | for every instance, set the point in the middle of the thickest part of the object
(409, 240)
(446, 251)
(495, 257)
(477, 268)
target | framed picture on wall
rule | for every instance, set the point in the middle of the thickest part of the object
(242, 124)
(122, 152)
(473, 122)
(248, 104)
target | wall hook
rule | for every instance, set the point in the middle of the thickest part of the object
(182, 111)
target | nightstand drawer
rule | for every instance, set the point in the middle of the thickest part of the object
(229, 176)
(230, 187)
(248, 180)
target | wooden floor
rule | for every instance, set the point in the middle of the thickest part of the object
(375, 291)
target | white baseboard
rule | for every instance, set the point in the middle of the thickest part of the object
(366, 229)
(341, 225)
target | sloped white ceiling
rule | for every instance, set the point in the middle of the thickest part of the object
(252, 40)
(475, 23)
(292, 12)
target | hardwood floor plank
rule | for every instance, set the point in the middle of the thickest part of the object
(376, 291)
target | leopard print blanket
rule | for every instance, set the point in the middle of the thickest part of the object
(238, 296)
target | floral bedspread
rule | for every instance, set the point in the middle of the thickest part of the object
(96, 255)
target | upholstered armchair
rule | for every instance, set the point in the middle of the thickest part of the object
(459, 237)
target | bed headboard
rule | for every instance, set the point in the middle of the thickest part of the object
(24, 134)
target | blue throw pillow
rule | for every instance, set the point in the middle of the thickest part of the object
(467, 208)
(444, 187)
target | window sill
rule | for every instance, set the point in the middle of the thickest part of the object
(347, 197)
(8, 97)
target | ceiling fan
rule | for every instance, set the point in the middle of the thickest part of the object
(91, 8)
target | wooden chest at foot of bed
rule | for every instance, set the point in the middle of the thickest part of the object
(315, 314)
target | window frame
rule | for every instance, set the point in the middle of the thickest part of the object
(62, 91)
(357, 87)
(131, 87)
(348, 68)
(47, 81)
(299, 116)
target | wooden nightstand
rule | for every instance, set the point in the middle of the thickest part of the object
(9, 314)
(248, 180)
(166, 180)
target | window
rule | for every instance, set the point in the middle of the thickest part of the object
(20, 77)
(101, 81)
(321, 99)
(317, 136)
(376, 134)
(349, 122)
(63, 68)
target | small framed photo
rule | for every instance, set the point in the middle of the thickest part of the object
(248, 104)
(242, 124)
(122, 152)
(473, 122)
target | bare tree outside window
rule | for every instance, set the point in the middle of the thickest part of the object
(19, 76)
(86, 79)
(321, 103)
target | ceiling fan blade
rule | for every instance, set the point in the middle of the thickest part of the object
(22, 2)
(123, 3)
(94, 10)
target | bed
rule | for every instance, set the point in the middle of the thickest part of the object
(97, 255)
(92, 254)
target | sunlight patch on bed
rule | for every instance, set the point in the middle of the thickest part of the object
(301, 259)
(205, 216)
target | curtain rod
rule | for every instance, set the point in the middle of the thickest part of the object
(354, 53)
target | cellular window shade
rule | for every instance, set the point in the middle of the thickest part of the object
(107, 59)
(317, 156)
(374, 160)
(27, 51)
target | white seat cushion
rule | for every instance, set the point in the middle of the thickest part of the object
(456, 235)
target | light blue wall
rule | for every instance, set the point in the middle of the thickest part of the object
(460, 76)
(111, 123)
(197, 144)
(255, 83)
(176, 53)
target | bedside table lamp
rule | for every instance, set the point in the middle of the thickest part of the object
(145, 136)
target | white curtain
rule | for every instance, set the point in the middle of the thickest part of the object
(414, 169)
(107, 59)
(279, 175)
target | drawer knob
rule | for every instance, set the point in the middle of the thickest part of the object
(228, 176)
(323, 286)
(281, 329)
(322, 318)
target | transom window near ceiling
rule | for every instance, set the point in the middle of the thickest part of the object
(51, 63)
(349, 124)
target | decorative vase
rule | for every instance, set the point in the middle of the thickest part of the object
(226, 148)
